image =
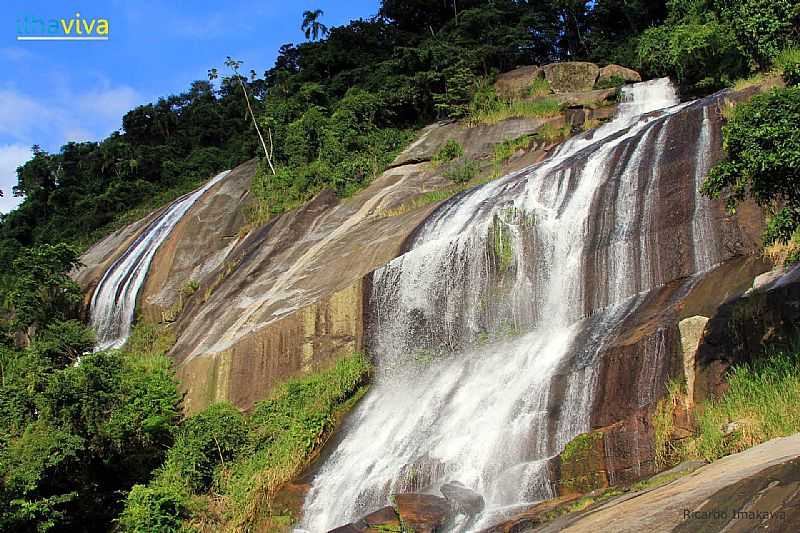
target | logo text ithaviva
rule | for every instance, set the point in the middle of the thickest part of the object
(76, 28)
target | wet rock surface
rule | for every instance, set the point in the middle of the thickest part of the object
(424, 513)
(463, 499)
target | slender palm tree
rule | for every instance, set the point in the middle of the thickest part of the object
(312, 27)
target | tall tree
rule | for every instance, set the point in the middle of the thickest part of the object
(312, 27)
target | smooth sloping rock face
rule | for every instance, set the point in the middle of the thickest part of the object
(464, 500)
(293, 300)
(424, 513)
(571, 77)
(102, 254)
(616, 71)
(199, 243)
(476, 141)
(764, 478)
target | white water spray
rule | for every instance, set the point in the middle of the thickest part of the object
(462, 392)
(114, 299)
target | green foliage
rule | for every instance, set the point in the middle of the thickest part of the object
(705, 44)
(245, 458)
(539, 87)
(788, 62)
(42, 289)
(148, 339)
(760, 401)
(74, 436)
(459, 83)
(157, 509)
(761, 28)
(494, 111)
(452, 149)
(504, 150)
(762, 143)
(462, 171)
(702, 54)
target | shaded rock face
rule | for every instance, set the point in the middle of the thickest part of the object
(571, 77)
(737, 333)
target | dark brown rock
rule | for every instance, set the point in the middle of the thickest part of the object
(385, 518)
(424, 513)
(347, 528)
(463, 499)
(532, 517)
(741, 327)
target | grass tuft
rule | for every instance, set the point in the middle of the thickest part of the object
(500, 111)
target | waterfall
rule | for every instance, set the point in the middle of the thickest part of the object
(114, 299)
(485, 331)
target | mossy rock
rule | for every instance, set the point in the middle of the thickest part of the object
(583, 467)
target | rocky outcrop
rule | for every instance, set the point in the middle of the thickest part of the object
(611, 72)
(570, 77)
(422, 513)
(462, 499)
(515, 83)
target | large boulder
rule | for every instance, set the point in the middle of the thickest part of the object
(570, 77)
(515, 83)
(463, 499)
(423, 513)
(609, 72)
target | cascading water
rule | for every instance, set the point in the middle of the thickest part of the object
(485, 332)
(114, 299)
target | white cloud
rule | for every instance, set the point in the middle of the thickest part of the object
(11, 156)
(109, 102)
(17, 54)
(88, 115)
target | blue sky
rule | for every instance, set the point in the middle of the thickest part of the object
(54, 92)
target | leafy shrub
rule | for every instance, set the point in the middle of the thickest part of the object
(158, 508)
(762, 28)
(788, 62)
(463, 171)
(539, 87)
(452, 149)
(245, 458)
(702, 56)
(762, 143)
